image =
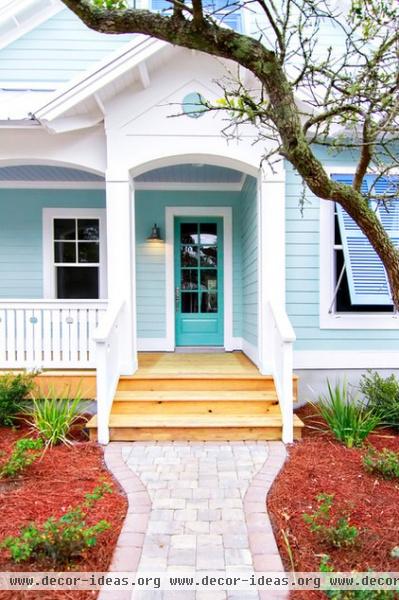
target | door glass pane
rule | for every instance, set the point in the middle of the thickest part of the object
(189, 302)
(189, 233)
(209, 256)
(65, 252)
(77, 283)
(88, 229)
(64, 229)
(208, 233)
(189, 279)
(88, 252)
(209, 279)
(189, 256)
(209, 302)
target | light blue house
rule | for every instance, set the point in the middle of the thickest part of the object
(126, 229)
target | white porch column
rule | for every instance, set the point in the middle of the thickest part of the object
(121, 261)
(271, 243)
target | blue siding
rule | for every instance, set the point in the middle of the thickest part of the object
(150, 261)
(21, 254)
(56, 51)
(249, 241)
(302, 276)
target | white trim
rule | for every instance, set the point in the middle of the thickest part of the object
(52, 185)
(226, 212)
(327, 276)
(181, 186)
(49, 214)
(153, 345)
(347, 359)
(251, 351)
(41, 15)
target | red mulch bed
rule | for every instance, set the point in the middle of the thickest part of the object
(50, 487)
(320, 464)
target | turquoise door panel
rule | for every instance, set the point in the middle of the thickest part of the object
(199, 297)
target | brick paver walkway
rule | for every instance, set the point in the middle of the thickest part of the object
(197, 505)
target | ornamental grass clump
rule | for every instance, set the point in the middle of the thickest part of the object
(60, 541)
(347, 418)
(52, 417)
(24, 453)
(14, 390)
(384, 463)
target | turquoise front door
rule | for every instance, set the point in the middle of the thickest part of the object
(199, 281)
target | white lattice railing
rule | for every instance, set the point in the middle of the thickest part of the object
(49, 333)
(282, 339)
(109, 355)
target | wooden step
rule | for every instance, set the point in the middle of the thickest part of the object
(150, 428)
(202, 383)
(195, 396)
(194, 407)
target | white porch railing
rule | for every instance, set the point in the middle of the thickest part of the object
(109, 355)
(282, 339)
(49, 333)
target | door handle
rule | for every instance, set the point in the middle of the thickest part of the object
(177, 298)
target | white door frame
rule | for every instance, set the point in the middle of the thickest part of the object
(226, 212)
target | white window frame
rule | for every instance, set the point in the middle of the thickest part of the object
(49, 271)
(334, 320)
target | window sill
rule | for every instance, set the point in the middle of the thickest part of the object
(359, 321)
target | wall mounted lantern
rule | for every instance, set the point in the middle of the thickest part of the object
(155, 235)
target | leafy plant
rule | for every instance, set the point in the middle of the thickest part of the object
(52, 417)
(348, 419)
(326, 567)
(384, 463)
(14, 390)
(59, 541)
(337, 532)
(382, 396)
(25, 452)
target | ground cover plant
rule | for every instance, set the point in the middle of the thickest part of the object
(23, 454)
(320, 464)
(384, 463)
(334, 531)
(14, 390)
(49, 488)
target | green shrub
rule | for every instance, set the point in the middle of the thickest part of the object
(348, 419)
(58, 541)
(25, 452)
(326, 567)
(382, 396)
(384, 463)
(52, 417)
(14, 390)
(336, 532)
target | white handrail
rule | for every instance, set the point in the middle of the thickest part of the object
(108, 341)
(282, 339)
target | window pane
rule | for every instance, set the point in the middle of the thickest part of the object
(88, 252)
(77, 283)
(189, 233)
(208, 233)
(65, 229)
(189, 302)
(65, 252)
(88, 229)
(209, 302)
(189, 256)
(209, 279)
(209, 256)
(189, 279)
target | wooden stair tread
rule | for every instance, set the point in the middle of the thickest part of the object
(195, 375)
(194, 396)
(187, 421)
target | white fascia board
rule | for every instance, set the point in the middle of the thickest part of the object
(49, 10)
(67, 124)
(132, 55)
(345, 359)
